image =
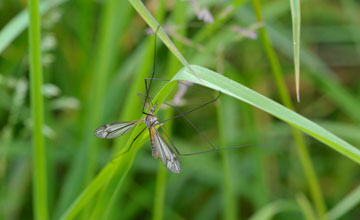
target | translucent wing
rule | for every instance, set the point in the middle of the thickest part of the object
(165, 153)
(114, 130)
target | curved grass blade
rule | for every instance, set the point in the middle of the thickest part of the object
(227, 86)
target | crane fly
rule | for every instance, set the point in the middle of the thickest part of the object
(159, 147)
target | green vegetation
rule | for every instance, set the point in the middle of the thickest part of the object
(67, 67)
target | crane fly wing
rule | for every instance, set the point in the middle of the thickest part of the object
(165, 153)
(114, 130)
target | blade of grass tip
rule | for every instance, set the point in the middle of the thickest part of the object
(18, 24)
(345, 205)
(151, 21)
(36, 79)
(296, 24)
(285, 98)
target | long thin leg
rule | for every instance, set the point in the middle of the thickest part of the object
(197, 108)
(203, 136)
(140, 96)
(128, 149)
(200, 152)
(195, 128)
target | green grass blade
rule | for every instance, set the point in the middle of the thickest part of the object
(37, 110)
(296, 24)
(18, 24)
(345, 205)
(227, 86)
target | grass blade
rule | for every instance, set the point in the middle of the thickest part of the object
(37, 111)
(225, 85)
(296, 24)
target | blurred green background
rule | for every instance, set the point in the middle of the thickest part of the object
(95, 56)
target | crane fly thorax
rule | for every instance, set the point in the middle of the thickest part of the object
(151, 120)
